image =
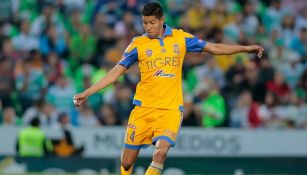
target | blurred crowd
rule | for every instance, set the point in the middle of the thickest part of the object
(52, 49)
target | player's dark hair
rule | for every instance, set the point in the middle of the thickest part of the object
(152, 9)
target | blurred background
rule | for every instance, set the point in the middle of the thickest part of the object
(242, 115)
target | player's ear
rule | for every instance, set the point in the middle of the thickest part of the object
(162, 19)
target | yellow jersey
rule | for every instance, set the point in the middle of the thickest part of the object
(160, 62)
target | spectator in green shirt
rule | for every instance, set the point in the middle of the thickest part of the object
(211, 110)
(82, 47)
(32, 141)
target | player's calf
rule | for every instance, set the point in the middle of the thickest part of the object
(162, 147)
(159, 157)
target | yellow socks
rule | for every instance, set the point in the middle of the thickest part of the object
(124, 172)
(154, 169)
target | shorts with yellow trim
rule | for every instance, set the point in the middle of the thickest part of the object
(148, 125)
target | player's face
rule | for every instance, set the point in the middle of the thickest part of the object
(153, 26)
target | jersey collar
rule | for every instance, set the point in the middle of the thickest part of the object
(167, 32)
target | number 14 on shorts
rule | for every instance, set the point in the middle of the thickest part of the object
(132, 136)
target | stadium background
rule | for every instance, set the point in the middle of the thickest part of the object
(52, 49)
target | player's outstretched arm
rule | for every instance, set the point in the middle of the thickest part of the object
(227, 49)
(110, 78)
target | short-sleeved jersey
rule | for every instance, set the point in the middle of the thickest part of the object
(160, 62)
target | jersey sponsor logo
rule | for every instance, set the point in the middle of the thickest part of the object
(176, 48)
(161, 73)
(160, 62)
(149, 52)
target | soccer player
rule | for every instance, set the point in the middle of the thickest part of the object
(157, 116)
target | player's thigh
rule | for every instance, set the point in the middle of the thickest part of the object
(168, 124)
(139, 130)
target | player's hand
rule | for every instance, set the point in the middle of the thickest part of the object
(79, 99)
(255, 48)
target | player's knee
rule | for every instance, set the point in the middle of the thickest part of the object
(127, 163)
(160, 153)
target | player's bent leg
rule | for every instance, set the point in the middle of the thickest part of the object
(159, 156)
(162, 147)
(128, 159)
